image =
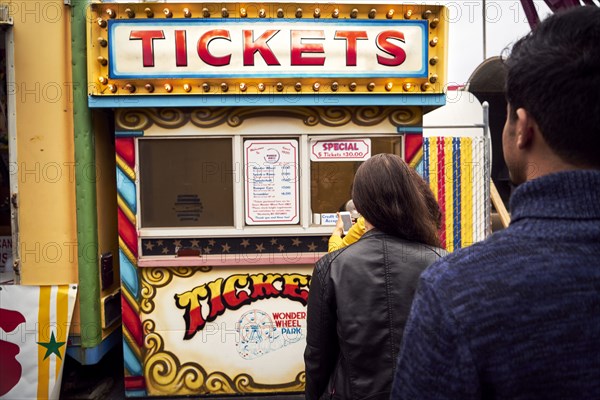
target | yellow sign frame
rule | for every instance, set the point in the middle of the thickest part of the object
(101, 84)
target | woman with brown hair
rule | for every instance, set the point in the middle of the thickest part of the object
(360, 296)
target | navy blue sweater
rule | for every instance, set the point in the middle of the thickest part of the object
(518, 315)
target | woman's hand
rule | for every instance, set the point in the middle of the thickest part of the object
(339, 226)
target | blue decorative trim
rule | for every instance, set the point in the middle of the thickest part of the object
(129, 133)
(132, 364)
(93, 355)
(425, 160)
(114, 74)
(250, 100)
(129, 275)
(126, 189)
(419, 168)
(135, 393)
(411, 130)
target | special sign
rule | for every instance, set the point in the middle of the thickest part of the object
(275, 48)
(340, 150)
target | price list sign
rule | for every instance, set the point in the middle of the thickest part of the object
(271, 182)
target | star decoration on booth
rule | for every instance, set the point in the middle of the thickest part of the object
(211, 242)
(159, 242)
(165, 250)
(312, 246)
(325, 239)
(273, 242)
(177, 243)
(260, 247)
(52, 347)
(281, 247)
(207, 250)
(149, 245)
(245, 243)
(195, 243)
(296, 242)
(226, 248)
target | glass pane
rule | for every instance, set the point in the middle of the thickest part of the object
(186, 182)
(331, 181)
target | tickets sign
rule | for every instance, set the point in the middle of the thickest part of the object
(340, 150)
(280, 48)
(195, 48)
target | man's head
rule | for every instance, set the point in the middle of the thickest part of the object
(553, 93)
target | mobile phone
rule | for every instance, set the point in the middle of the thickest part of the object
(347, 221)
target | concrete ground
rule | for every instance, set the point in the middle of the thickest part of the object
(104, 381)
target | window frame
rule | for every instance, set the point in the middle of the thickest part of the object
(304, 227)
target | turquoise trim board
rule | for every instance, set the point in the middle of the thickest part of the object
(268, 99)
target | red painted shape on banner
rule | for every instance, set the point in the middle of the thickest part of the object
(412, 144)
(127, 233)
(132, 322)
(441, 177)
(135, 382)
(125, 148)
(10, 368)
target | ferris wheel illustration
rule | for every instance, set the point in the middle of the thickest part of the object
(258, 334)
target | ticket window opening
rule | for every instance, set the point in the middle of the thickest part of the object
(186, 182)
(331, 181)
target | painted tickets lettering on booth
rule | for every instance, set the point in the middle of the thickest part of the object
(236, 291)
(230, 324)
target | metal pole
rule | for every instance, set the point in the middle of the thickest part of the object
(484, 13)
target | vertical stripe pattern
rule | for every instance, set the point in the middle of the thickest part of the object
(466, 193)
(44, 335)
(456, 200)
(62, 314)
(441, 185)
(458, 174)
(128, 253)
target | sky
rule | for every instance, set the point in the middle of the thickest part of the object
(505, 23)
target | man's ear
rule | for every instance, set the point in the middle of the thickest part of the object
(526, 126)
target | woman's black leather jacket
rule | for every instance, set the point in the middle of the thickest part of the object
(358, 304)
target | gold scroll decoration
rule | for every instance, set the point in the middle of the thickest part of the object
(166, 375)
(208, 117)
(153, 278)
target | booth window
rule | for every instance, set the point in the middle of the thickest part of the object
(186, 182)
(331, 181)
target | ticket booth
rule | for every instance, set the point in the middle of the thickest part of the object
(238, 129)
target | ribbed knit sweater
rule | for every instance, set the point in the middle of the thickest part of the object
(518, 315)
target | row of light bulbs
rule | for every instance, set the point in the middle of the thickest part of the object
(187, 13)
(261, 86)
